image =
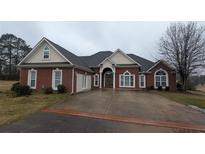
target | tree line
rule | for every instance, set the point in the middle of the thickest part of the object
(12, 50)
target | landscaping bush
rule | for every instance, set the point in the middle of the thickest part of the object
(48, 90)
(61, 88)
(14, 86)
(159, 88)
(150, 88)
(167, 88)
(21, 90)
(179, 86)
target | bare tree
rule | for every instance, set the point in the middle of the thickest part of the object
(183, 46)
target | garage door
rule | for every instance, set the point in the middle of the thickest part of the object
(83, 82)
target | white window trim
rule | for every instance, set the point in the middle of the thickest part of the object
(48, 53)
(144, 81)
(96, 85)
(29, 78)
(127, 75)
(53, 78)
(167, 78)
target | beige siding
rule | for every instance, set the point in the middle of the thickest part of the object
(106, 64)
(119, 58)
(37, 55)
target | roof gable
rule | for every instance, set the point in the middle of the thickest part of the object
(37, 55)
(36, 47)
(158, 63)
(119, 57)
(67, 55)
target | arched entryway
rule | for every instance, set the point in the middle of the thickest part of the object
(107, 78)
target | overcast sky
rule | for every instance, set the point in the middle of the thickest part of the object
(86, 38)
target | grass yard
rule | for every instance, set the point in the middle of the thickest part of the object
(6, 85)
(14, 108)
(200, 88)
(185, 98)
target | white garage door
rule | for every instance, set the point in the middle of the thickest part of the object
(83, 82)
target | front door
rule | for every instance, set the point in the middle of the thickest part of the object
(108, 79)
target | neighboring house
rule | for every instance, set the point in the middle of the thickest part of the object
(49, 65)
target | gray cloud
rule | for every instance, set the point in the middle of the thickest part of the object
(85, 38)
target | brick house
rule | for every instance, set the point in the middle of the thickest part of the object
(49, 65)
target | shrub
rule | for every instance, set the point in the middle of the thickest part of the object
(150, 87)
(179, 86)
(21, 90)
(48, 90)
(159, 88)
(61, 88)
(167, 88)
(14, 86)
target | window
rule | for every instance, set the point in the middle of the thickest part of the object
(57, 78)
(83, 81)
(96, 80)
(161, 78)
(142, 81)
(127, 80)
(46, 53)
(32, 75)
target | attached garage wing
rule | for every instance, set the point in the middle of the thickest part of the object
(83, 82)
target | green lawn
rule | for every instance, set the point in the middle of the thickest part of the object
(184, 98)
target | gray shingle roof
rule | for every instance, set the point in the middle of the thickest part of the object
(70, 56)
(145, 64)
(95, 59)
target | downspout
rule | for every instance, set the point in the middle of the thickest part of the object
(72, 80)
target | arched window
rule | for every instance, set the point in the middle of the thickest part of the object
(161, 78)
(127, 79)
(56, 78)
(46, 53)
(32, 78)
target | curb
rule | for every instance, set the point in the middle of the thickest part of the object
(127, 119)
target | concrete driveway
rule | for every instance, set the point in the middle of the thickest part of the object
(131, 103)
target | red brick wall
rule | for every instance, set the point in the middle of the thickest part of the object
(67, 79)
(44, 77)
(120, 70)
(171, 74)
(23, 76)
